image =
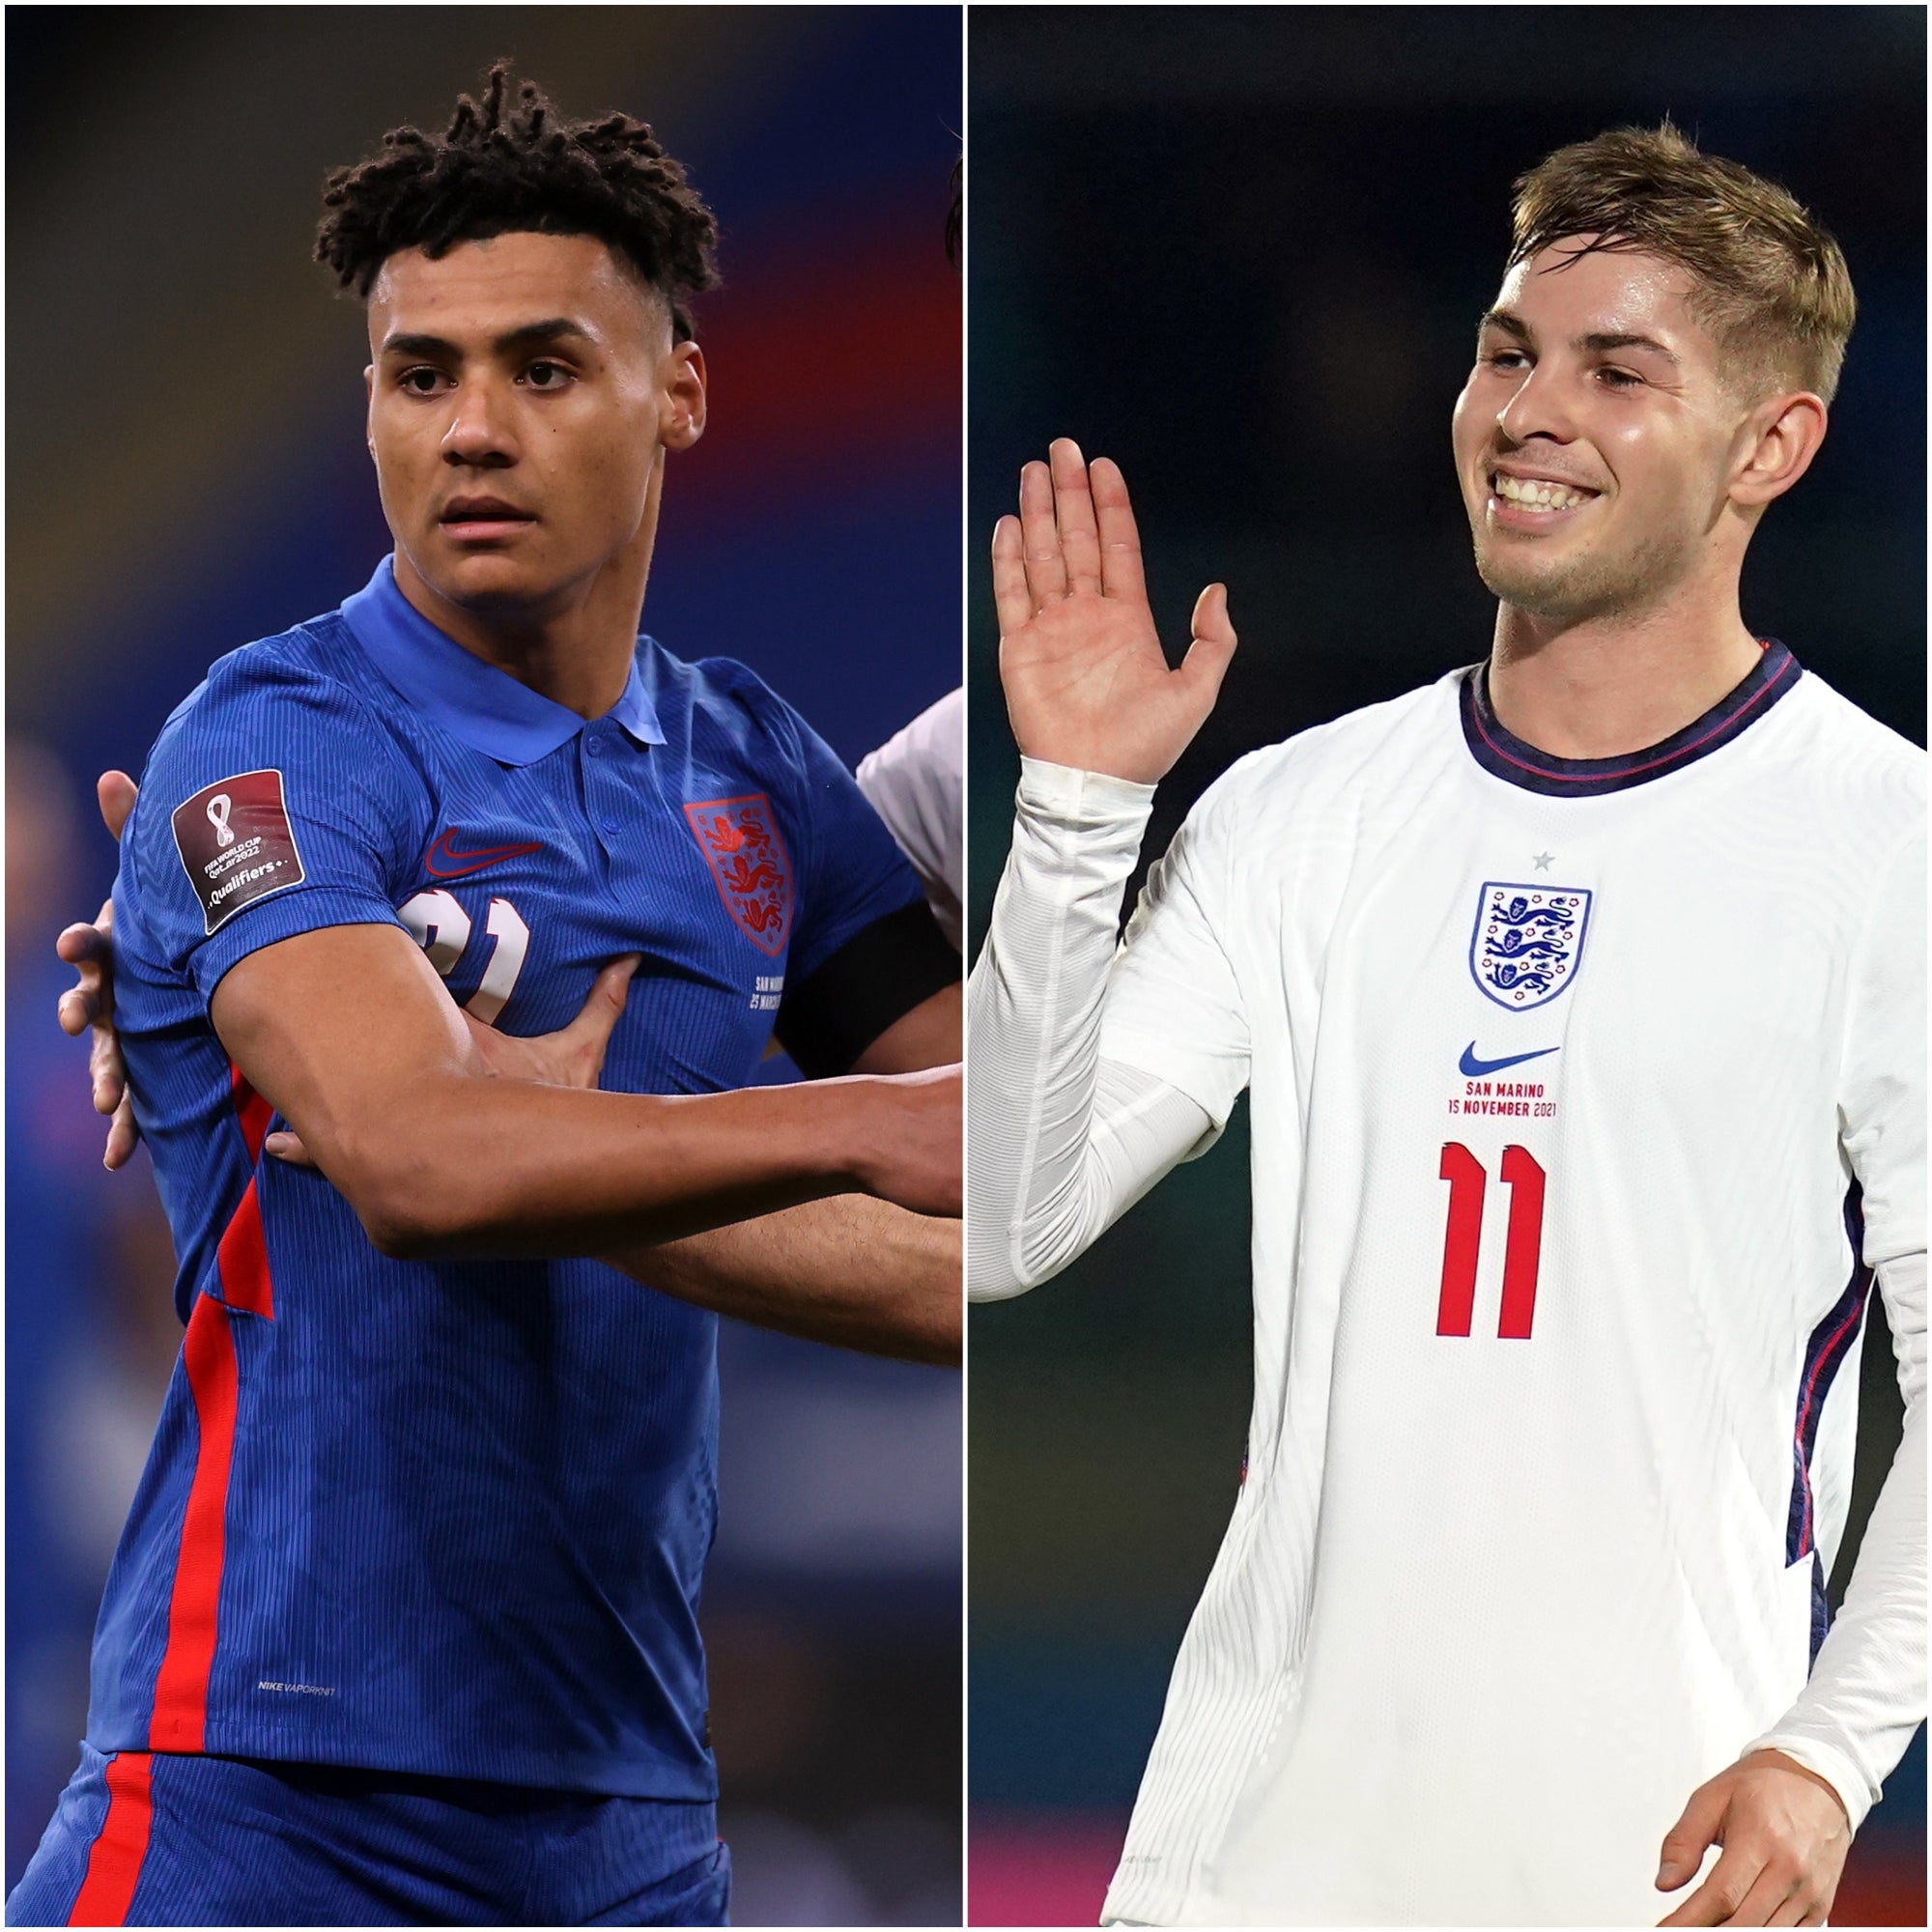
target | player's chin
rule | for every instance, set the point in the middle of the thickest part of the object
(485, 581)
(1528, 577)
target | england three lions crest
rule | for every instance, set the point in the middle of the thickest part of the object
(740, 841)
(1528, 942)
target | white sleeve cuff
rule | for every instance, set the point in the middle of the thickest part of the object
(1832, 1766)
(1081, 798)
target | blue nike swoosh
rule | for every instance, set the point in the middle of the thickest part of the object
(1475, 1068)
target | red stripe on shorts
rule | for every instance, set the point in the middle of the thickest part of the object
(114, 1858)
(181, 1687)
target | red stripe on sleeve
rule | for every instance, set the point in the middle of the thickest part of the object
(181, 1687)
(242, 1259)
(114, 1858)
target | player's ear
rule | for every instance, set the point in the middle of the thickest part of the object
(682, 420)
(369, 415)
(1782, 436)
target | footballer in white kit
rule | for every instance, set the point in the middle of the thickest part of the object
(1580, 997)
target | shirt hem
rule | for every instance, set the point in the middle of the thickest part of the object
(542, 1771)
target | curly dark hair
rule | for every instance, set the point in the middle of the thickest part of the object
(501, 170)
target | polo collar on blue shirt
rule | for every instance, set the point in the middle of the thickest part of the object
(475, 701)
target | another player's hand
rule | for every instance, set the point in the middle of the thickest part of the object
(916, 1142)
(1784, 1833)
(571, 1057)
(89, 1004)
(1086, 682)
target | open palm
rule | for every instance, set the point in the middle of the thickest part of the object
(1086, 682)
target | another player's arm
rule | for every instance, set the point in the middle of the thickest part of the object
(348, 1034)
(88, 1005)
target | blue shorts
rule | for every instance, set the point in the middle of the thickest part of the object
(156, 1838)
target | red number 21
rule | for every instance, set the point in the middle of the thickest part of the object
(1523, 1246)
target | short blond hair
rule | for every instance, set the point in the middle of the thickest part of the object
(1774, 289)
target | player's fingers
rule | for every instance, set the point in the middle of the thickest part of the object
(1794, 1910)
(117, 793)
(591, 1030)
(287, 1147)
(1687, 1842)
(1722, 1892)
(77, 1008)
(1120, 571)
(123, 1135)
(108, 1070)
(1010, 581)
(1039, 537)
(83, 945)
(1073, 513)
(1773, 1889)
(1209, 656)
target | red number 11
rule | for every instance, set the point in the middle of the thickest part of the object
(1522, 1245)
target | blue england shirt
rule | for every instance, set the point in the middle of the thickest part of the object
(450, 1517)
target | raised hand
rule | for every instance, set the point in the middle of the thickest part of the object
(1086, 683)
(573, 1056)
(90, 1002)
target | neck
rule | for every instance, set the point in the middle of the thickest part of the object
(575, 646)
(1605, 687)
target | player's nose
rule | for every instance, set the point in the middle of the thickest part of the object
(1539, 406)
(479, 428)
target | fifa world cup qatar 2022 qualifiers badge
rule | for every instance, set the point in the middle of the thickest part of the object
(1527, 945)
(236, 843)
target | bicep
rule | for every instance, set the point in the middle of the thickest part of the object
(838, 1018)
(344, 1030)
(930, 1034)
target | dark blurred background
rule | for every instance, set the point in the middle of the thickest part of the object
(1242, 252)
(187, 471)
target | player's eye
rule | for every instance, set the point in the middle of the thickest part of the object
(1508, 360)
(546, 376)
(1620, 379)
(421, 381)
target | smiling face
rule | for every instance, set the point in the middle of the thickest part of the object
(1596, 441)
(521, 392)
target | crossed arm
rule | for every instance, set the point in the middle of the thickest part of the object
(845, 1269)
(347, 1032)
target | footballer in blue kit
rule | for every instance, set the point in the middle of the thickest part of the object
(402, 1627)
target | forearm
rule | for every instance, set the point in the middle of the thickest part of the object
(1867, 1693)
(1057, 1150)
(347, 1032)
(479, 1166)
(853, 1273)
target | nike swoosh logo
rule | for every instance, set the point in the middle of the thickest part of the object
(1475, 1068)
(446, 862)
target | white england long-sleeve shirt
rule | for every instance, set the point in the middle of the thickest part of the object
(1587, 1096)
